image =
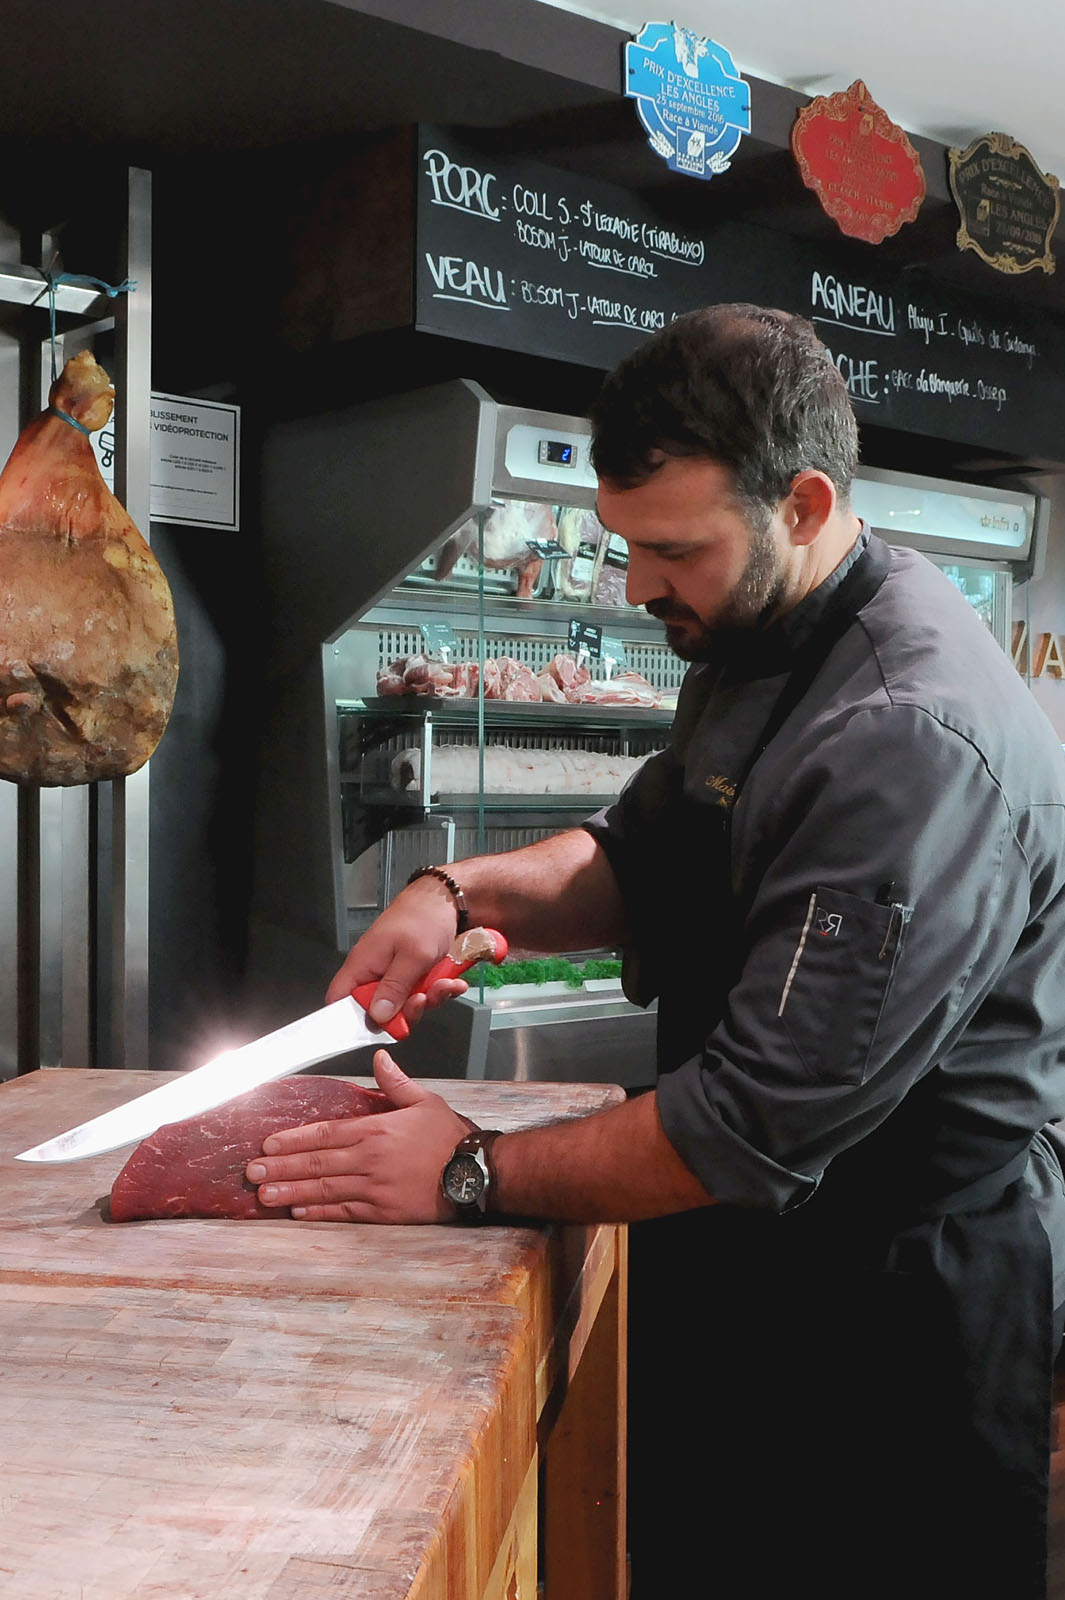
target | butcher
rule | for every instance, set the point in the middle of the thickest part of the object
(844, 881)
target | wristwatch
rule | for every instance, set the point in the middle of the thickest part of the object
(468, 1178)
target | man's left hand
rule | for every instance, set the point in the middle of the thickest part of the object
(382, 1168)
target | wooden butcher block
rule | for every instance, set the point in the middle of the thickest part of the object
(276, 1410)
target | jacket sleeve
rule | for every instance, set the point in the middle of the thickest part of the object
(888, 890)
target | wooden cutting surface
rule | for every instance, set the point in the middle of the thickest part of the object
(276, 1410)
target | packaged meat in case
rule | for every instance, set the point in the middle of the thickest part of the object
(610, 580)
(580, 534)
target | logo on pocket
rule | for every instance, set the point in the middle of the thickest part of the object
(829, 923)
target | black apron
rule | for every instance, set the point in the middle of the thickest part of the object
(851, 1399)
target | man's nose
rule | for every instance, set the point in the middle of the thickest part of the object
(642, 581)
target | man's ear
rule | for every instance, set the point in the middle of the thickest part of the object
(808, 506)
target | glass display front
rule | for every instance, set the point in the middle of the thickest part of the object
(503, 690)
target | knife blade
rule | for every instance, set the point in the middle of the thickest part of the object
(331, 1031)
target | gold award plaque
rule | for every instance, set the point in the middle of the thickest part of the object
(1008, 206)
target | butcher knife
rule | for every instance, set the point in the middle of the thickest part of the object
(336, 1028)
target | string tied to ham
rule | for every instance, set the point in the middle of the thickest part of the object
(82, 280)
(54, 411)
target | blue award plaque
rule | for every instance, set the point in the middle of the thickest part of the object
(689, 97)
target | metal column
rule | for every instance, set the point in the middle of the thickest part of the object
(74, 861)
(128, 1043)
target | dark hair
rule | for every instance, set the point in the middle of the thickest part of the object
(751, 388)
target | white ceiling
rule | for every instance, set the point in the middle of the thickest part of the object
(947, 69)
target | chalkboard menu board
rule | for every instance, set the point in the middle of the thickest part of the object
(523, 256)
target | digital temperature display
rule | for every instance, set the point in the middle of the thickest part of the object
(554, 452)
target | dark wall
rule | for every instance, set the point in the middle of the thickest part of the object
(202, 781)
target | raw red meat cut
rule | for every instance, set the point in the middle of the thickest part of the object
(88, 647)
(195, 1168)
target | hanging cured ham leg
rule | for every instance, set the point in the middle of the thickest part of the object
(88, 647)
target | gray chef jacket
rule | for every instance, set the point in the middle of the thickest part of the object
(897, 865)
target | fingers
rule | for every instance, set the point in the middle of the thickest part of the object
(340, 1189)
(414, 1009)
(445, 989)
(396, 986)
(393, 1081)
(348, 1211)
(316, 1136)
(442, 990)
(311, 1164)
(396, 963)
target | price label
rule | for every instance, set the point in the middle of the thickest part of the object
(612, 651)
(582, 567)
(545, 548)
(440, 641)
(585, 638)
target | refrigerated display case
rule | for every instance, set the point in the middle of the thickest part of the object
(483, 686)
(985, 538)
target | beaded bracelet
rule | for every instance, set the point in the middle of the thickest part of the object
(453, 889)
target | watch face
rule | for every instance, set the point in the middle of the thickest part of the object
(464, 1180)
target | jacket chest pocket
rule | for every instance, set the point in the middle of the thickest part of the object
(838, 982)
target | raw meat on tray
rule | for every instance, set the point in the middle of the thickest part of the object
(564, 681)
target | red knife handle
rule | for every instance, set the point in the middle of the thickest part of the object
(476, 944)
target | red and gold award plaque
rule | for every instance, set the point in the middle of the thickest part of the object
(859, 163)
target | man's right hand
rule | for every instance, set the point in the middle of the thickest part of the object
(396, 951)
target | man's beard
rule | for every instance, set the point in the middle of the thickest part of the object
(761, 587)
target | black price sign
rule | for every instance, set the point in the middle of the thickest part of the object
(440, 640)
(585, 638)
(545, 548)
